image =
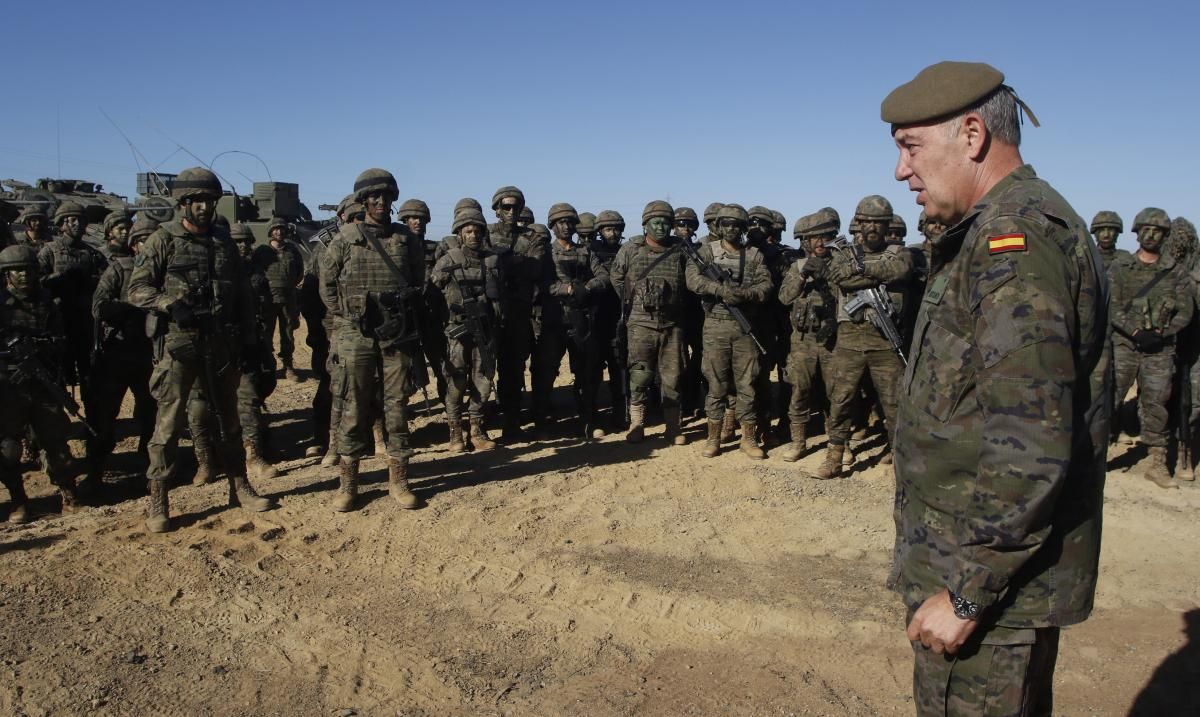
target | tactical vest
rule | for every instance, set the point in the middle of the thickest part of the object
(655, 285)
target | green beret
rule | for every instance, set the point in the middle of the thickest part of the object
(940, 90)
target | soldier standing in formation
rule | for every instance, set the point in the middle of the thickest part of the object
(1151, 302)
(371, 277)
(471, 281)
(37, 227)
(414, 215)
(861, 348)
(813, 315)
(280, 262)
(650, 278)
(190, 270)
(258, 380)
(124, 356)
(1106, 227)
(731, 358)
(610, 226)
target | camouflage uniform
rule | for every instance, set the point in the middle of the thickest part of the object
(772, 328)
(464, 276)
(1145, 330)
(199, 281)
(572, 279)
(651, 283)
(35, 214)
(1004, 410)
(692, 390)
(608, 317)
(71, 268)
(731, 359)
(317, 338)
(432, 316)
(861, 348)
(124, 358)
(283, 268)
(522, 269)
(812, 310)
(31, 315)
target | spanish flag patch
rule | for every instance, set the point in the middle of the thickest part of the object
(1006, 242)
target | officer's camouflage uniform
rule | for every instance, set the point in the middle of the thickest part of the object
(1145, 331)
(652, 283)
(283, 269)
(124, 358)
(572, 279)
(28, 405)
(71, 268)
(608, 316)
(199, 281)
(463, 276)
(731, 360)
(862, 348)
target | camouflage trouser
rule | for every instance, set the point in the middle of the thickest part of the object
(1194, 378)
(1011, 678)
(365, 368)
(25, 408)
(286, 314)
(114, 373)
(1153, 373)
(469, 372)
(253, 391)
(655, 353)
(807, 358)
(171, 384)
(730, 364)
(848, 368)
(553, 343)
(516, 340)
(608, 357)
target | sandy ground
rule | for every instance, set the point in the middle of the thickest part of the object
(553, 578)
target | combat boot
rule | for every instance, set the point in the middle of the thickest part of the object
(256, 465)
(331, 457)
(728, 426)
(848, 456)
(343, 500)
(158, 518)
(241, 493)
(832, 467)
(398, 483)
(673, 434)
(205, 471)
(637, 418)
(749, 445)
(1156, 468)
(380, 440)
(798, 446)
(480, 440)
(712, 445)
(457, 444)
(18, 513)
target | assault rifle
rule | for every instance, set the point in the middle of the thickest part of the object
(720, 276)
(874, 301)
(20, 352)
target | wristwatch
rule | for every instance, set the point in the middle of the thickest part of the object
(964, 609)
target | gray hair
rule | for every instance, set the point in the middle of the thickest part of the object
(1000, 115)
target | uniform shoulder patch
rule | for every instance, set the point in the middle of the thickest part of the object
(1006, 243)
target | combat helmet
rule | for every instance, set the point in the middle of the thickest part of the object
(508, 192)
(710, 212)
(413, 208)
(17, 257)
(1107, 219)
(241, 232)
(526, 216)
(561, 210)
(687, 214)
(762, 214)
(114, 218)
(142, 228)
(195, 182)
(375, 180)
(734, 211)
(279, 222)
(874, 207)
(610, 218)
(897, 226)
(467, 216)
(34, 211)
(1150, 216)
(658, 208)
(70, 209)
(778, 223)
(587, 223)
(468, 203)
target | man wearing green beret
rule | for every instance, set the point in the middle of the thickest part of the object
(1003, 412)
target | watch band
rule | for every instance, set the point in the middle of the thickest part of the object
(964, 609)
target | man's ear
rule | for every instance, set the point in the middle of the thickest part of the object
(975, 133)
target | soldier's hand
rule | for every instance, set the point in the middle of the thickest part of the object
(727, 294)
(813, 266)
(935, 625)
(183, 315)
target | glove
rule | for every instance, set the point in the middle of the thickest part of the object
(1148, 341)
(813, 266)
(183, 315)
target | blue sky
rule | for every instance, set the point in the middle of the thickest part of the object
(604, 105)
